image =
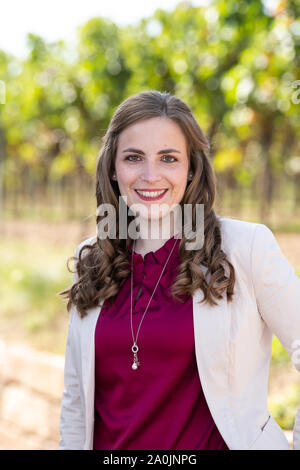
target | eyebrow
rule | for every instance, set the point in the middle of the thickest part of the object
(160, 152)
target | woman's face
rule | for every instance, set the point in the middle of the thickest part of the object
(152, 155)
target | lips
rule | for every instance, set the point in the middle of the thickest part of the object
(149, 198)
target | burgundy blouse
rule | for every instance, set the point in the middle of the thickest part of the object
(161, 405)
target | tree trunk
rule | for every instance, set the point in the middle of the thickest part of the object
(267, 175)
(297, 191)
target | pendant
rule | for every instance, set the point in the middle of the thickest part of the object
(136, 363)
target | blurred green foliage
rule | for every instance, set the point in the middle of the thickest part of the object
(285, 409)
(279, 354)
(235, 63)
(31, 275)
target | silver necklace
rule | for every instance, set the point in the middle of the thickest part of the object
(134, 347)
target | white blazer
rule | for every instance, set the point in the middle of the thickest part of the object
(233, 345)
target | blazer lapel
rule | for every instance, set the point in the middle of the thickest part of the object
(88, 368)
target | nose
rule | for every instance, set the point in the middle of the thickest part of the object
(150, 173)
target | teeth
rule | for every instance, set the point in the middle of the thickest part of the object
(151, 193)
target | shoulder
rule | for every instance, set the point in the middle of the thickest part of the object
(236, 227)
(87, 241)
(240, 237)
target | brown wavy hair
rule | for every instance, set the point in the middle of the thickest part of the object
(104, 267)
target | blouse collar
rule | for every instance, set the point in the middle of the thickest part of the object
(159, 256)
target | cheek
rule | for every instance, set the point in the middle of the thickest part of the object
(125, 174)
(179, 181)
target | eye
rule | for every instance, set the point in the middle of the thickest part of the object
(171, 156)
(129, 156)
(165, 156)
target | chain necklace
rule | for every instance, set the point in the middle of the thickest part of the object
(134, 347)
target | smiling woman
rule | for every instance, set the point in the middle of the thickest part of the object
(150, 318)
(149, 169)
(136, 155)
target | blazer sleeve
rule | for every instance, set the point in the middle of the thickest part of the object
(72, 421)
(277, 290)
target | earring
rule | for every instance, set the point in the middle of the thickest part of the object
(114, 176)
(190, 175)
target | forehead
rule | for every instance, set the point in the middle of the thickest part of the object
(152, 133)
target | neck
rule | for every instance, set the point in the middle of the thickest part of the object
(155, 232)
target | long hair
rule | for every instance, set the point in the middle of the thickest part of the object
(105, 267)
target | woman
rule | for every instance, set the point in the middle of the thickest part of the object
(169, 347)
